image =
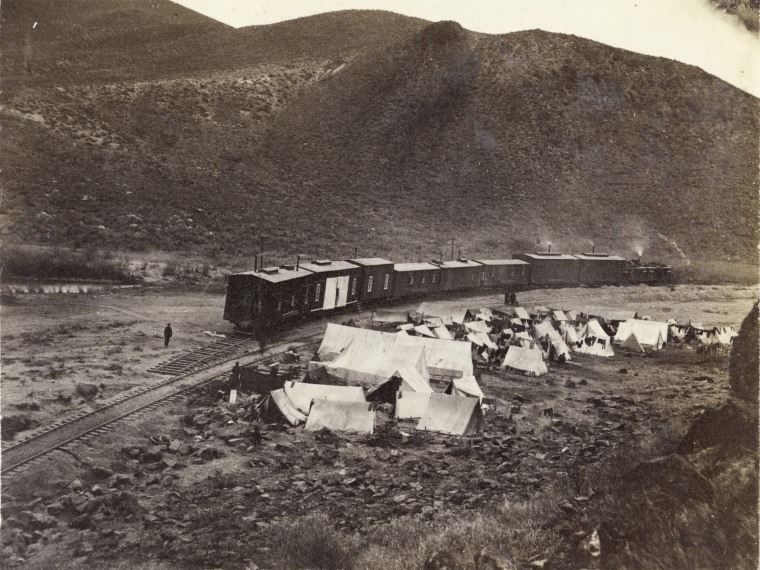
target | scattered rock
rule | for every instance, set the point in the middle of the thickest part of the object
(623, 371)
(76, 486)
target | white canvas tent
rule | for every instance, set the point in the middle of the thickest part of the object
(632, 343)
(650, 334)
(467, 386)
(341, 416)
(593, 340)
(279, 401)
(452, 415)
(445, 359)
(521, 313)
(301, 394)
(525, 360)
(544, 329)
(442, 333)
(370, 362)
(477, 326)
(411, 405)
(424, 331)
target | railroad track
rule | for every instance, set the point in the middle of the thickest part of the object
(58, 436)
(222, 349)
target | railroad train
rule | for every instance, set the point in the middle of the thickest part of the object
(269, 298)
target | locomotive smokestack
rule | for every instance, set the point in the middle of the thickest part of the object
(356, 249)
(550, 248)
(256, 263)
(593, 249)
(298, 262)
(459, 254)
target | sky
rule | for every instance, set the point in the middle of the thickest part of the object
(691, 31)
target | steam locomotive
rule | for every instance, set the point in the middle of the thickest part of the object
(269, 298)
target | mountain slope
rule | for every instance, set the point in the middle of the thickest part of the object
(368, 129)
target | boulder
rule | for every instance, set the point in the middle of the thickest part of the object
(743, 368)
(86, 390)
(11, 425)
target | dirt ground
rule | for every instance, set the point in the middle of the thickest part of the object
(183, 486)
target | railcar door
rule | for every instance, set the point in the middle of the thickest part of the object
(331, 292)
(341, 295)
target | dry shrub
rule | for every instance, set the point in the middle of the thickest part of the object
(311, 542)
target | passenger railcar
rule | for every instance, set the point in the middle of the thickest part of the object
(459, 274)
(504, 273)
(375, 278)
(415, 278)
(268, 297)
(334, 284)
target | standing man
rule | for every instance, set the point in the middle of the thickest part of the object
(167, 334)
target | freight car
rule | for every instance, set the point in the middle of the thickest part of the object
(271, 297)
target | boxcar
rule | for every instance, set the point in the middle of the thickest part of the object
(551, 269)
(375, 278)
(268, 297)
(334, 285)
(415, 278)
(504, 272)
(459, 274)
(601, 269)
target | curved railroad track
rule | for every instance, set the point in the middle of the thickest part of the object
(38, 445)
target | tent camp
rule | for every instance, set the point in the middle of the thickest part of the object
(452, 415)
(593, 340)
(301, 394)
(650, 334)
(372, 362)
(404, 380)
(559, 316)
(525, 360)
(277, 405)
(411, 405)
(544, 329)
(467, 386)
(484, 314)
(341, 416)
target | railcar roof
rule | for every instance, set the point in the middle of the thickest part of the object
(457, 263)
(325, 266)
(552, 256)
(414, 266)
(276, 274)
(367, 261)
(599, 257)
(502, 261)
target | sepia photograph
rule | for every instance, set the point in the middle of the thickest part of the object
(379, 285)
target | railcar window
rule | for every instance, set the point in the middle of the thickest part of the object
(411, 280)
(293, 301)
(385, 283)
(369, 283)
(316, 294)
(353, 287)
(434, 278)
(423, 277)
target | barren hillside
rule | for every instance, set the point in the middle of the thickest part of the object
(156, 128)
